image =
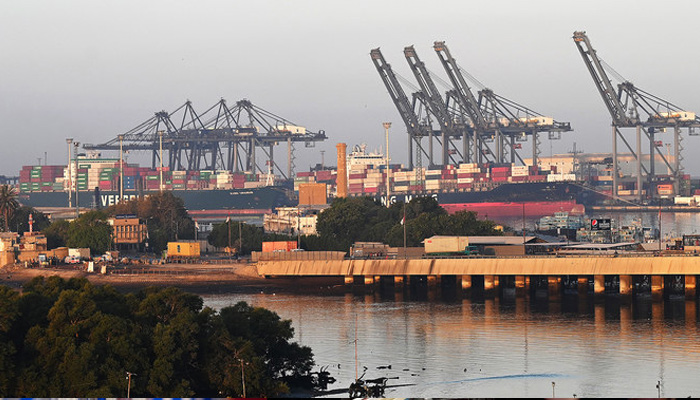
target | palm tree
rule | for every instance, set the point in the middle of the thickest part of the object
(8, 203)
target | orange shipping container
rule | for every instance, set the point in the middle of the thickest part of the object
(312, 194)
(279, 246)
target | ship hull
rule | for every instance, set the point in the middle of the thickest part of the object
(507, 209)
(236, 201)
(515, 200)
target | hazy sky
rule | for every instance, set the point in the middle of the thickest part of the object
(94, 69)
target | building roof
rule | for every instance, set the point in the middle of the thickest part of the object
(492, 240)
(600, 246)
(500, 240)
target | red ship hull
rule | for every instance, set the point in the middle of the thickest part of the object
(507, 209)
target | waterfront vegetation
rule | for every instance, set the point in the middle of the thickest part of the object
(363, 219)
(346, 221)
(69, 338)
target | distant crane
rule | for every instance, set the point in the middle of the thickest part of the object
(462, 93)
(631, 107)
(449, 126)
(415, 127)
(216, 138)
(496, 118)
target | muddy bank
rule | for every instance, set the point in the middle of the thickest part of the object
(194, 278)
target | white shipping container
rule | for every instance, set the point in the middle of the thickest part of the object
(680, 115)
(293, 129)
(445, 244)
(686, 201)
(538, 120)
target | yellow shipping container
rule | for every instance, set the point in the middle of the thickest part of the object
(183, 249)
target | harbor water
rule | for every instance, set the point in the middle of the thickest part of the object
(432, 346)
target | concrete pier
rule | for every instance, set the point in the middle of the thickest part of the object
(623, 277)
(690, 282)
(657, 287)
(625, 287)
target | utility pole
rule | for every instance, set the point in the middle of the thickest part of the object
(243, 377)
(240, 239)
(77, 207)
(160, 138)
(121, 168)
(298, 228)
(387, 125)
(405, 254)
(69, 142)
(128, 387)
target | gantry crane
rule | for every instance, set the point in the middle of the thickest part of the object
(417, 129)
(631, 107)
(215, 138)
(496, 118)
(465, 98)
(450, 127)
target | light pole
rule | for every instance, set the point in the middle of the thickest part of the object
(387, 125)
(553, 390)
(69, 142)
(242, 374)
(160, 156)
(121, 168)
(128, 387)
(77, 207)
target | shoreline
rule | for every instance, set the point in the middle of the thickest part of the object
(193, 278)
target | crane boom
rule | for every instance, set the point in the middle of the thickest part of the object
(433, 98)
(464, 94)
(602, 82)
(398, 96)
(435, 101)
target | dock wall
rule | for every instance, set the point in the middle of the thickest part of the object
(545, 266)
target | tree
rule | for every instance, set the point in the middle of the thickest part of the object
(20, 220)
(252, 236)
(90, 230)
(57, 234)
(8, 203)
(9, 313)
(71, 338)
(165, 215)
(348, 220)
(351, 220)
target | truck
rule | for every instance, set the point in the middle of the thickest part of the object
(449, 245)
(369, 250)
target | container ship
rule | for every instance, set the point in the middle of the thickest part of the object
(206, 194)
(490, 190)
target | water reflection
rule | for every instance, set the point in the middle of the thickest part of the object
(451, 346)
